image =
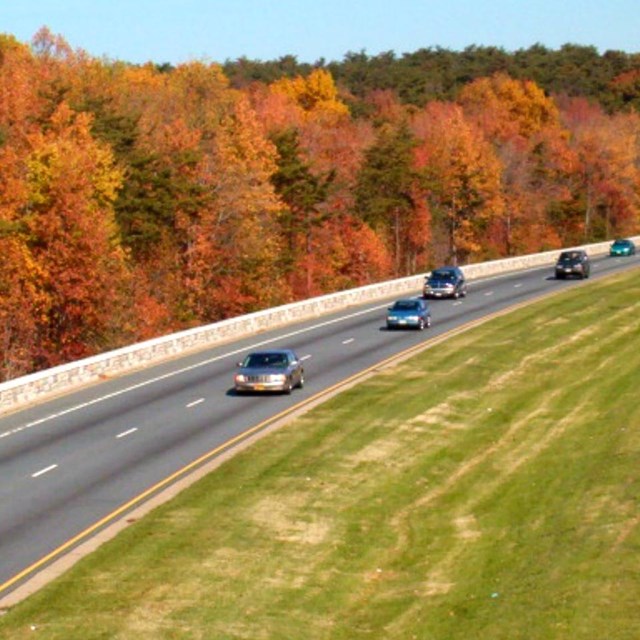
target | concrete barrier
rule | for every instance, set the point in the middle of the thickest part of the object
(58, 380)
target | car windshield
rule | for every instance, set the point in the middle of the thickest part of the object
(621, 243)
(570, 255)
(443, 275)
(263, 360)
(406, 305)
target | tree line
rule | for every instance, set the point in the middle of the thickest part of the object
(138, 200)
(436, 73)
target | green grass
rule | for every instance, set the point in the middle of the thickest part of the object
(486, 488)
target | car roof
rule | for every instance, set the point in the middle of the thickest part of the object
(446, 270)
(573, 252)
(271, 352)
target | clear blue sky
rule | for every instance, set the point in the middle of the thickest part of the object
(216, 30)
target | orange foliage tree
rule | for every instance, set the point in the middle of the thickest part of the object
(519, 120)
(71, 233)
(462, 173)
(606, 177)
(237, 233)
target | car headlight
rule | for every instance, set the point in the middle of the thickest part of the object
(240, 378)
(413, 318)
(278, 377)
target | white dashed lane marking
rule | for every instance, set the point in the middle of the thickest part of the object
(348, 341)
(124, 434)
(37, 474)
(195, 402)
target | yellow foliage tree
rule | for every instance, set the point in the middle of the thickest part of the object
(316, 94)
(505, 107)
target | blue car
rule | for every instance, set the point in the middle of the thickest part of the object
(622, 247)
(411, 313)
(445, 282)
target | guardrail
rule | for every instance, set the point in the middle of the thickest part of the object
(58, 380)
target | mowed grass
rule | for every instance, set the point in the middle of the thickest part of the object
(486, 488)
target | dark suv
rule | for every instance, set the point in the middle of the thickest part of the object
(445, 282)
(573, 263)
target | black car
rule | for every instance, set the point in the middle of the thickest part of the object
(412, 312)
(272, 370)
(445, 282)
(573, 263)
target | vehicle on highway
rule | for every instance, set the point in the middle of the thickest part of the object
(573, 263)
(622, 247)
(410, 313)
(272, 370)
(445, 282)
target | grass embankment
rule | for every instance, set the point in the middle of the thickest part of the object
(487, 488)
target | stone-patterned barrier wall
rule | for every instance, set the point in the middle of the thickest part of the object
(61, 379)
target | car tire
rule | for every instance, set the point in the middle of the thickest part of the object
(420, 324)
(301, 381)
(428, 322)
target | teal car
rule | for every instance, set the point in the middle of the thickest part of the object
(413, 313)
(622, 247)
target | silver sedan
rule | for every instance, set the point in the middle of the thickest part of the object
(273, 370)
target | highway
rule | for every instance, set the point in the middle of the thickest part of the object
(74, 465)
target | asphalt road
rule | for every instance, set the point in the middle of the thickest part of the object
(72, 466)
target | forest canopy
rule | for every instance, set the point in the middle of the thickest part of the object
(138, 200)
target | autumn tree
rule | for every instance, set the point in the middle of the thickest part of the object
(605, 178)
(518, 119)
(505, 108)
(22, 298)
(72, 237)
(463, 177)
(237, 233)
(315, 94)
(329, 144)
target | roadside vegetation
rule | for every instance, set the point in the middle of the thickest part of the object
(485, 488)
